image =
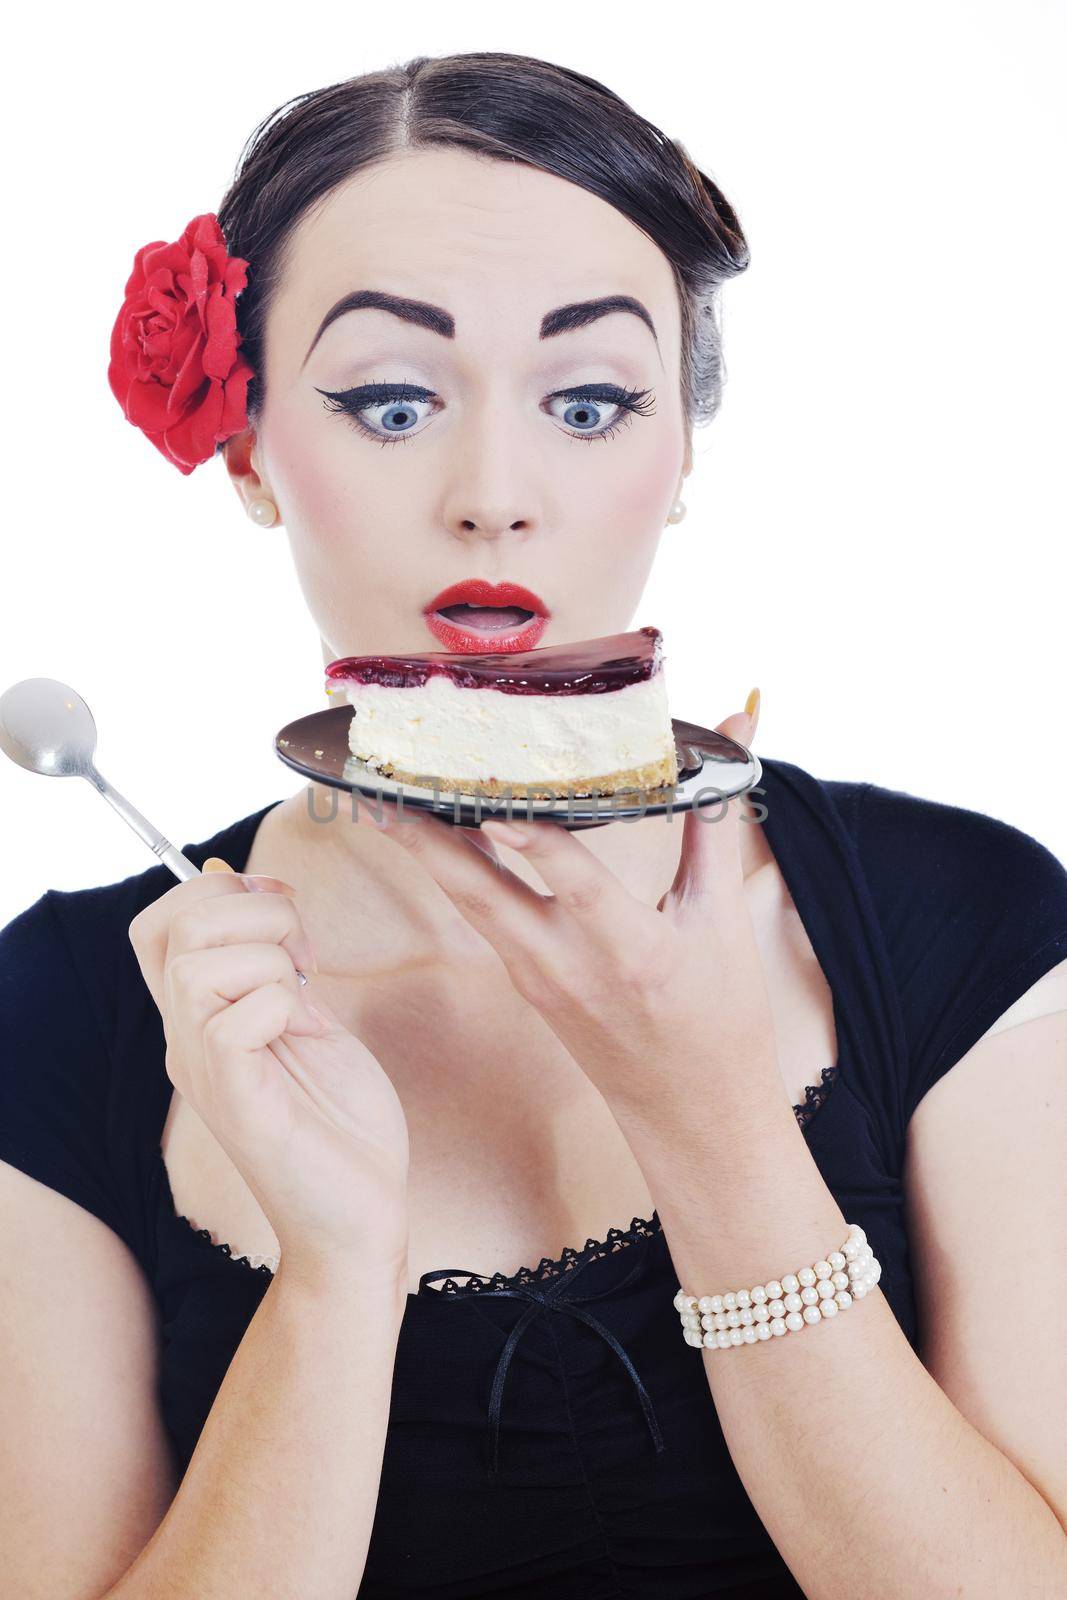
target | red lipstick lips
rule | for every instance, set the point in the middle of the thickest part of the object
(461, 633)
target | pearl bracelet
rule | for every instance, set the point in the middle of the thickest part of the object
(787, 1305)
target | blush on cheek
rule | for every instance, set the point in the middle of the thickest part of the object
(323, 503)
(363, 584)
(617, 524)
(630, 505)
(656, 490)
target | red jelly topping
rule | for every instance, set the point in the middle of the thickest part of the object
(589, 667)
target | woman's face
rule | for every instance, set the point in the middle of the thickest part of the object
(484, 466)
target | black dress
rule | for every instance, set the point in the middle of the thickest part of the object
(613, 1477)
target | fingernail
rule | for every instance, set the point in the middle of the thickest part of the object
(264, 884)
(752, 705)
(216, 864)
(504, 833)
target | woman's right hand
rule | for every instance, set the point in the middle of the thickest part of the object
(304, 1111)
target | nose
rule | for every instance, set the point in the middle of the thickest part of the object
(486, 526)
(494, 485)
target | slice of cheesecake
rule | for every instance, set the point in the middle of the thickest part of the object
(578, 719)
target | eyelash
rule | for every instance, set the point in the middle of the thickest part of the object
(351, 402)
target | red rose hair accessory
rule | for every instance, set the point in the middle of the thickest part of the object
(175, 368)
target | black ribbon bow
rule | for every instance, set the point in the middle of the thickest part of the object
(551, 1297)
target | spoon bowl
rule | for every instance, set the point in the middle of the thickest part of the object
(46, 727)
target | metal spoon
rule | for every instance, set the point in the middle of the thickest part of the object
(46, 727)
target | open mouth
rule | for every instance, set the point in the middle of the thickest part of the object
(465, 629)
(486, 619)
(476, 617)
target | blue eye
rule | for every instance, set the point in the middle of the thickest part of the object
(583, 408)
(399, 401)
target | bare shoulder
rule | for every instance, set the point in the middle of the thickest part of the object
(986, 1197)
(87, 1472)
(1048, 994)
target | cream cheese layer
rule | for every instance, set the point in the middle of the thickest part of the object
(484, 734)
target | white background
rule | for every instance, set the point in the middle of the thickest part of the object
(878, 510)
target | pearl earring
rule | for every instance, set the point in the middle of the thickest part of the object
(677, 511)
(265, 512)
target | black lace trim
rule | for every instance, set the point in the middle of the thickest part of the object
(203, 1236)
(815, 1095)
(547, 1267)
(617, 1238)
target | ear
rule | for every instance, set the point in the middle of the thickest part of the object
(242, 463)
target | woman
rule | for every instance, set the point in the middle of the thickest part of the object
(269, 1372)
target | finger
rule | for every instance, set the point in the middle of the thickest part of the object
(241, 918)
(752, 709)
(471, 873)
(710, 861)
(496, 903)
(481, 841)
(200, 982)
(741, 725)
(254, 1022)
(147, 931)
(580, 884)
(709, 866)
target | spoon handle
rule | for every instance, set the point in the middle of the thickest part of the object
(158, 843)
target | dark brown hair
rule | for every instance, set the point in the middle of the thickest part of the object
(507, 107)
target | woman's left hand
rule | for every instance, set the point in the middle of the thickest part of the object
(647, 1002)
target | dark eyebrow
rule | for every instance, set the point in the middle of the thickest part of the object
(581, 312)
(562, 320)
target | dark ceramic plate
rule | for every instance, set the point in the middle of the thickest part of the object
(711, 767)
